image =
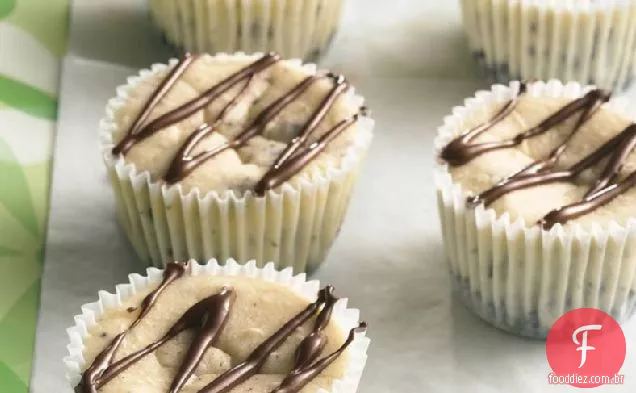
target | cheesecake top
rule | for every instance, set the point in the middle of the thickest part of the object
(204, 334)
(217, 123)
(548, 160)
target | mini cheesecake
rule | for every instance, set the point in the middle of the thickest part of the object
(235, 124)
(294, 28)
(545, 160)
(536, 194)
(586, 41)
(250, 157)
(217, 333)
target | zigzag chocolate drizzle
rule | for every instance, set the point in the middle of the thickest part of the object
(138, 131)
(460, 150)
(100, 369)
(293, 159)
(302, 375)
(307, 364)
(208, 318)
(607, 187)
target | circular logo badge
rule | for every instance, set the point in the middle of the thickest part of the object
(586, 348)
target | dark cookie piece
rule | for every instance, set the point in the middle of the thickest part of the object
(499, 73)
(314, 56)
(318, 52)
(175, 50)
(255, 30)
(629, 79)
(527, 325)
(164, 39)
(631, 302)
(239, 30)
(479, 56)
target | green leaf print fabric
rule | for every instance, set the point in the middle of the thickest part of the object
(33, 35)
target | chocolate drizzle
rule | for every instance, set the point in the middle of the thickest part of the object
(301, 376)
(138, 131)
(607, 187)
(307, 363)
(311, 347)
(460, 150)
(208, 318)
(100, 369)
(294, 157)
(292, 160)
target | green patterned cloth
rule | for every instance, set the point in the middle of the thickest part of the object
(33, 35)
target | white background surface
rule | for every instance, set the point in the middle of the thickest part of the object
(408, 59)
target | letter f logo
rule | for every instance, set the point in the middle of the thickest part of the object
(583, 343)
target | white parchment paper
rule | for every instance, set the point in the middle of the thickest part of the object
(410, 61)
(388, 259)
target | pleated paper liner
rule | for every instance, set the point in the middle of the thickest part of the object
(520, 277)
(294, 28)
(587, 41)
(294, 225)
(345, 318)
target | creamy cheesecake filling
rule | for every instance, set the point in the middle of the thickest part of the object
(217, 124)
(215, 334)
(549, 160)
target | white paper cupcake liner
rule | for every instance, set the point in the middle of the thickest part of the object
(522, 278)
(294, 28)
(294, 226)
(587, 41)
(345, 318)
